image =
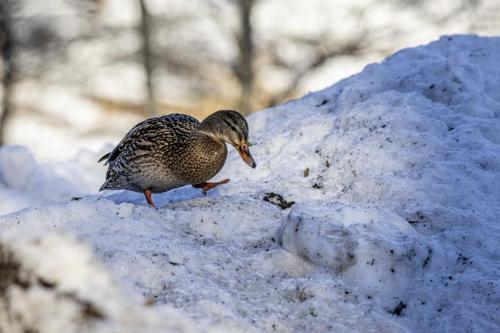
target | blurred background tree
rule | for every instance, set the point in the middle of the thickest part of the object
(80, 73)
(6, 46)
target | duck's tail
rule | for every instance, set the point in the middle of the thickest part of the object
(109, 184)
(105, 157)
(112, 183)
(104, 186)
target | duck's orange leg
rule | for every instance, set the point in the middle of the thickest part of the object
(208, 186)
(147, 194)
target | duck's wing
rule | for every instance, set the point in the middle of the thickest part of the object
(170, 128)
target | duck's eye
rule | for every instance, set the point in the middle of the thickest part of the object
(244, 145)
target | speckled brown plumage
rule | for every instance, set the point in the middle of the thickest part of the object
(167, 152)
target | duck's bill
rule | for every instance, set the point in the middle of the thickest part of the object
(246, 156)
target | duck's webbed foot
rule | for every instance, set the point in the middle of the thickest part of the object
(147, 194)
(208, 186)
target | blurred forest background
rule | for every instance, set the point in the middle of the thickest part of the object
(78, 74)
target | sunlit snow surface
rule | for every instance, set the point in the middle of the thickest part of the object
(394, 229)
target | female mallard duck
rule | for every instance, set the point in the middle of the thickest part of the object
(163, 153)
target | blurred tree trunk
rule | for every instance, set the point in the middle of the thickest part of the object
(147, 57)
(320, 55)
(245, 70)
(6, 46)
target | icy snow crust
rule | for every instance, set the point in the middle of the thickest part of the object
(394, 229)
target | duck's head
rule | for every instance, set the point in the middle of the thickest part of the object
(230, 127)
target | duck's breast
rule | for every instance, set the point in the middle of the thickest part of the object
(202, 159)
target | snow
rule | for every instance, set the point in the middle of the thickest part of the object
(394, 227)
(25, 182)
(56, 279)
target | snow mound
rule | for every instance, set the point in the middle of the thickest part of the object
(51, 283)
(216, 258)
(392, 177)
(24, 182)
(377, 249)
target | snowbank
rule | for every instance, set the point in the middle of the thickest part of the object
(394, 173)
(24, 182)
(52, 283)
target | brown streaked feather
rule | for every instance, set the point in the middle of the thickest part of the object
(146, 129)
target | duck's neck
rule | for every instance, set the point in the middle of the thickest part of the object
(211, 127)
